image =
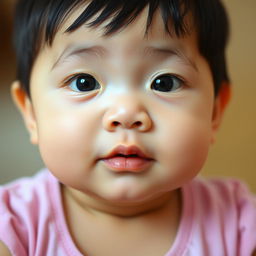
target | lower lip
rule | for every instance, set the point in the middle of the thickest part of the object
(127, 164)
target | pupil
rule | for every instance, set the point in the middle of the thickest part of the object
(164, 84)
(86, 83)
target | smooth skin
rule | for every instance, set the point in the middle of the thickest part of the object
(75, 129)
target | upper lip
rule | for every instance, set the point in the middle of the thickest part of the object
(126, 151)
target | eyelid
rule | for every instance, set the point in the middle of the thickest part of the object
(168, 73)
(72, 77)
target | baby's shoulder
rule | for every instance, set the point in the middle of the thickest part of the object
(224, 213)
(24, 193)
(26, 210)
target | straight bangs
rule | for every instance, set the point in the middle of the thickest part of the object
(118, 14)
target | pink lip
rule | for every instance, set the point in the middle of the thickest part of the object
(127, 159)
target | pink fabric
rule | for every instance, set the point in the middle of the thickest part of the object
(219, 218)
(32, 222)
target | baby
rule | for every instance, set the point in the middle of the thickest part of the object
(124, 99)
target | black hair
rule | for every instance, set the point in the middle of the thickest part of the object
(37, 21)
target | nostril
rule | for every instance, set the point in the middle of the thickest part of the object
(115, 123)
(134, 125)
(137, 124)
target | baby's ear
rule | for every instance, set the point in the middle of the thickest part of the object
(220, 105)
(24, 104)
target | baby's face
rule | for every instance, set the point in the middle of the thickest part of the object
(153, 96)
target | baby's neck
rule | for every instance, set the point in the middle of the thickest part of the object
(96, 206)
(142, 229)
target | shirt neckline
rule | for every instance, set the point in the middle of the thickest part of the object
(185, 228)
(62, 229)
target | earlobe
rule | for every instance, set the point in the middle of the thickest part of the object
(24, 104)
(220, 105)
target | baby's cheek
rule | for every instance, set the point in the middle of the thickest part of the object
(196, 147)
(186, 147)
(64, 143)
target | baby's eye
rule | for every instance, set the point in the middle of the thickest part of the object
(167, 83)
(83, 83)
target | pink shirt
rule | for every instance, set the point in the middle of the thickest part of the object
(218, 218)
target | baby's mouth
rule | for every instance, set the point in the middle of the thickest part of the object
(127, 159)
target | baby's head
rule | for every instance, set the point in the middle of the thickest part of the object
(122, 97)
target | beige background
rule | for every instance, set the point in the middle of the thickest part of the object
(232, 155)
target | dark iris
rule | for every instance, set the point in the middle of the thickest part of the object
(86, 83)
(166, 83)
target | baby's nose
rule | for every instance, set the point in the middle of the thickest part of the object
(127, 115)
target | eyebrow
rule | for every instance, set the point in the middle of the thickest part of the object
(79, 50)
(97, 50)
(172, 52)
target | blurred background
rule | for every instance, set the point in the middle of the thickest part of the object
(234, 153)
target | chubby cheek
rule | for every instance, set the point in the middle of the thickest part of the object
(187, 139)
(66, 140)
